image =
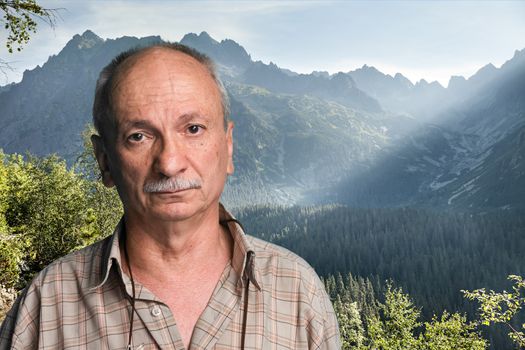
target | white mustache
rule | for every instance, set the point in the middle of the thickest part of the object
(171, 184)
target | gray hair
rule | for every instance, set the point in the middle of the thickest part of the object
(103, 114)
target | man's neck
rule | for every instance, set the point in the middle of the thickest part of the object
(178, 246)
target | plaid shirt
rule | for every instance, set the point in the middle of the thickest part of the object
(83, 301)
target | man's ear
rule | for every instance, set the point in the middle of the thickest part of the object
(229, 141)
(102, 160)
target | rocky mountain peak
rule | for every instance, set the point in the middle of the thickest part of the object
(369, 69)
(519, 54)
(422, 82)
(87, 40)
(403, 80)
(342, 80)
(484, 74)
(227, 52)
(517, 61)
(487, 69)
(203, 38)
(457, 82)
(89, 35)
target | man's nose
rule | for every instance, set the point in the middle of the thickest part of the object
(171, 158)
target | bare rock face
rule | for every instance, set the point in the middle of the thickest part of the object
(7, 298)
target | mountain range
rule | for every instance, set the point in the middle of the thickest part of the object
(361, 138)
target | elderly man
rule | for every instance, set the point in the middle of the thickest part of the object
(178, 272)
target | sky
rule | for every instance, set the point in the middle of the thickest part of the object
(431, 40)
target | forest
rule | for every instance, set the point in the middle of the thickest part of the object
(431, 255)
(395, 275)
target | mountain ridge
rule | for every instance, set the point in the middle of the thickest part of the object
(404, 143)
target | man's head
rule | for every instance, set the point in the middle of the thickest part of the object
(103, 114)
(165, 142)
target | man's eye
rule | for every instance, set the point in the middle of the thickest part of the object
(194, 129)
(136, 137)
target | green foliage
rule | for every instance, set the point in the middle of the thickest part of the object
(451, 332)
(354, 300)
(350, 325)
(20, 20)
(10, 258)
(399, 328)
(105, 206)
(3, 194)
(47, 211)
(397, 325)
(86, 163)
(502, 307)
(10, 245)
(359, 290)
(59, 211)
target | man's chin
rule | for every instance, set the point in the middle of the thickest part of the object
(175, 211)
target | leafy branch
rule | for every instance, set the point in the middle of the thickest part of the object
(20, 20)
(501, 307)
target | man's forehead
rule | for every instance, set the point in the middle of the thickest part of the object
(158, 63)
(163, 79)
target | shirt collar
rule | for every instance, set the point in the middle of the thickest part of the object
(242, 248)
(110, 255)
(242, 264)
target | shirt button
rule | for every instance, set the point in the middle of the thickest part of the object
(155, 311)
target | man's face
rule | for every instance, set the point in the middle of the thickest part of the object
(169, 155)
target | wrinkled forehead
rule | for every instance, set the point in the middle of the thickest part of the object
(162, 70)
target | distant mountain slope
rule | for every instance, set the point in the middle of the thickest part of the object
(406, 172)
(291, 145)
(489, 171)
(397, 93)
(339, 87)
(497, 180)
